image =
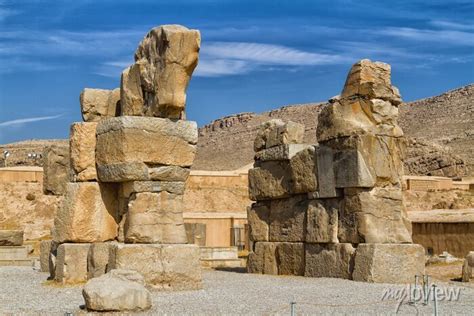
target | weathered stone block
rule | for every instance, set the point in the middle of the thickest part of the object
(322, 221)
(276, 132)
(98, 104)
(131, 187)
(258, 216)
(329, 260)
(98, 259)
(45, 251)
(280, 152)
(55, 169)
(388, 263)
(71, 263)
(288, 219)
(82, 144)
(13, 253)
(166, 267)
(279, 179)
(168, 173)
(89, 213)
(325, 175)
(143, 141)
(196, 233)
(467, 267)
(373, 216)
(11, 237)
(155, 218)
(277, 258)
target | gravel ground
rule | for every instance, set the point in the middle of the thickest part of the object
(23, 290)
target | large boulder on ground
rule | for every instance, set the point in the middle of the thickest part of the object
(164, 62)
(11, 237)
(118, 290)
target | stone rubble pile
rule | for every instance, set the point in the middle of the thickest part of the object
(129, 161)
(335, 209)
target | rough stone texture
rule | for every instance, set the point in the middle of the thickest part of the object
(119, 290)
(88, 213)
(288, 218)
(123, 172)
(374, 216)
(279, 179)
(82, 142)
(98, 259)
(466, 271)
(45, 251)
(55, 169)
(155, 218)
(71, 263)
(151, 186)
(11, 238)
(164, 61)
(276, 132)
(388, 263)
(143, 141)
(168, 173)
(325, 175)
(329, 260)
(275, 258)
(322, 221)
(165, 267)
(98, 104)
(258, 217)
(280, 152)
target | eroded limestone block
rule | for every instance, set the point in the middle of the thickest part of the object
(166, 267)
(98, 104)
(56, 164)
(98, 259)
(88, 213)
(71, 263)
(258, 216)
(325, 172)
(275, 258)
(322, 221)
(168, 173)
(164, 62)
(388, 263)
(151, 186)
(11, 237)
(281, 152)
(279, 179)
(288, 218)
(276, 132)
(373, 216)
(45, 250)
(155, 218)
(118, 290)
(82, 144)
(142, 142)
(329, 260)
(467, 267)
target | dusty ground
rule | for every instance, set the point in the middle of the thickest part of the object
(23, 290)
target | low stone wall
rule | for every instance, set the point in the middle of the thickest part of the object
(21, 174)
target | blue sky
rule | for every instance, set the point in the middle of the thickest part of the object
(255, 55)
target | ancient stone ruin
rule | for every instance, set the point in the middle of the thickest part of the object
(335, 209)
(129, 161)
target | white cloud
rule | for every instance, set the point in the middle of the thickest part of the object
(452, 25)
(221, 67)
(442, 36)
(23, 121)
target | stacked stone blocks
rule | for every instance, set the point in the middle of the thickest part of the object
(335, 209)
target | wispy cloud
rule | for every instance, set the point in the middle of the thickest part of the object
(23, 121)
(453, 37)
(452, 25)
(5, 13)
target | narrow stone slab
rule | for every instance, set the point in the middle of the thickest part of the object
(45, 251)
(10, 253)
(152, 186)
(82, 144)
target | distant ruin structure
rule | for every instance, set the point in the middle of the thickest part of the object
(335, 209)
(129, 160)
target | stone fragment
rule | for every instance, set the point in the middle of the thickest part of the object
(71, 263)
(258, 216)
(166, 267)
(144, 140)
(98, 104)
(374, 216)
(467, 267)
(82, 142)
(281, 152)
(45, 251)
(155, 218)
(322, 221)
(55, 169)
(329, 260)
(325, 172)
(288, 219)
(164, 62)
(276, 132)
(152, 186)
(88, 213)
(388, 263)
(98, 259)
(11, 237)
(277, 258)
(168, 173)
(280, 179)
(118, 290)
(123, 172)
